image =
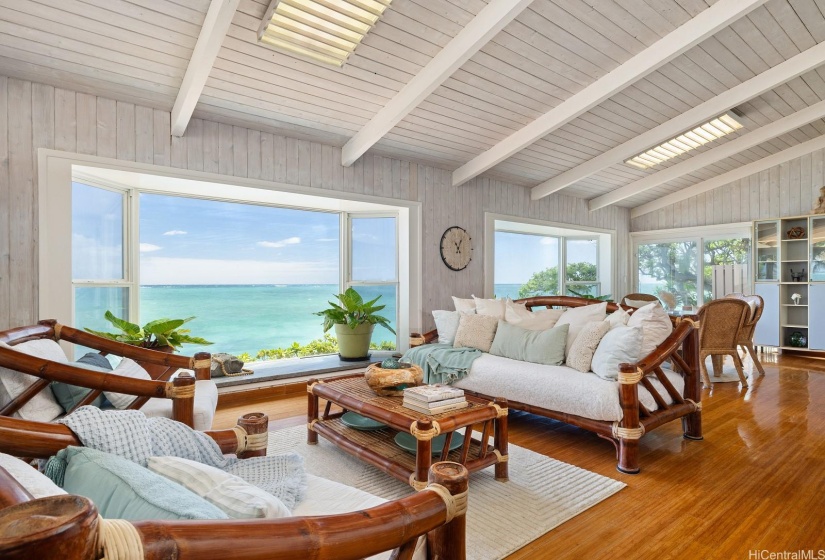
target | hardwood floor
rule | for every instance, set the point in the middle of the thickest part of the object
(756, 482)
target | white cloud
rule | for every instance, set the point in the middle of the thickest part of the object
(279, 244)
(176, 232)
(148, 248)
(177, 271)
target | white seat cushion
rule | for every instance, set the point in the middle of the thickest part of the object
(327, 497)
(206, 400)
(42, 407)
(38, 485)
(557, 388)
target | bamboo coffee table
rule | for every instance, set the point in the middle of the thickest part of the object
(378, 447)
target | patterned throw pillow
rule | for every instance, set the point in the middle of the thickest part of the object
(126, 368)
(476, 331)
(229, 493)
(581, 353)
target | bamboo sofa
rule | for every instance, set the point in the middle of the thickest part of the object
(68, 526)
(681, 349)
(187, 398)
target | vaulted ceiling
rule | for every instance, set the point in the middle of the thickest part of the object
(139, 50)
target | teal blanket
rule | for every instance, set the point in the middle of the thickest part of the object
(441, 362)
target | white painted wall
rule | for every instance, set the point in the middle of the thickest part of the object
(34, 116)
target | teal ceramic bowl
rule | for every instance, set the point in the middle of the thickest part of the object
(408, 443)
(358, 422)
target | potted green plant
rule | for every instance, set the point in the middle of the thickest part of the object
(164, 335)
(354, 320)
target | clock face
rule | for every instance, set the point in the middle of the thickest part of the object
(456, 248)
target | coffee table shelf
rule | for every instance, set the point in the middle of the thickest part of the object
(378, 448)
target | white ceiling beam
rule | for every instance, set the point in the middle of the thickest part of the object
(767, 80)
(483, 27)
(215, 25)
(745, 142)
(688, 35)
(733, 175)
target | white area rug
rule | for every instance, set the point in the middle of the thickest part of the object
(542, 493)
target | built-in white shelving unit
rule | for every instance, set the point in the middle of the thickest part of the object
(788, 259)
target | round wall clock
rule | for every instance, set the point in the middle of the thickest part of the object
(456, 248)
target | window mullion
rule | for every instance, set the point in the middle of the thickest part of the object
(132, 254)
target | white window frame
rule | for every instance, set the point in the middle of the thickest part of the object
(56, 172)
(698, 235)
(606, 273)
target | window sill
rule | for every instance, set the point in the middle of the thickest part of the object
(295, 369)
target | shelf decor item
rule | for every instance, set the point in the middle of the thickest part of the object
(799, 340)
(820, 204)
(796, 298)
(798, 276)
(796, 233)
(392, 382)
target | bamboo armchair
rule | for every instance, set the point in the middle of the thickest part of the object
(162, 365)
(745, 339)
(68, 526)
(680, 348)
(720, 326)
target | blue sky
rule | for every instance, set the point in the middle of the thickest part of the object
(519, 255)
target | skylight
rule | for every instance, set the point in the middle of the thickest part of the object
(699, 136)
(324, 30)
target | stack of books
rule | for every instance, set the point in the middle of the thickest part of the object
(434, 399)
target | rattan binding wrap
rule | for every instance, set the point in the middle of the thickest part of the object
(250, 442)
(416, 339)
(456, 505)
(119, 540)
(182, 392)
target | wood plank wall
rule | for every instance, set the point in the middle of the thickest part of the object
(34, 115)
(788, 189)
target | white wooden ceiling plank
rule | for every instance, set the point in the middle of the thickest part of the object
(503, 104)
(675, 14)
(773, 32)
(460, 94)
(600, 24)
(815, 81)
(756, 86)
(663, 82)
(727, 150)
(734, 43)
(593, 37)
(304, 109)
(197, 5)
(82, 79)
(449, 103)
(90, 59)
(693, 7)
(183, 12)
(425, 142)
(140, 13)
(811, 17)
(444, 132)
(692, 79)
(725, 178)
(533, 61)
(803, 90)
(616, 127)
(445, 109)
(210, 39)
(788, 19)
(652, 19)
(754, 38)
(475, 76)
(240, 47)
(720, 63)
(77, 27)
(495, 62)
(640, 65)
(383, 49)
(635, 110)
(625, 20)
(650, 93)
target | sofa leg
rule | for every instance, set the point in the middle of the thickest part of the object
(628, 456)
(692, 426)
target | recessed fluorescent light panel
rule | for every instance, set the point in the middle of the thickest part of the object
(324, 30)
(702, 134)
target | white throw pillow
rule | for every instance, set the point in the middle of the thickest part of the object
(42, 407)
(655, 323)
(578, 317)
(620, 345)
(476, 331)
(126, 368)
(540, 320)
(581, 353)
(38, 485)
(492, 307)
(446, 323)
(464, 305)
(229, 493)
(637, 302)
(618, 318)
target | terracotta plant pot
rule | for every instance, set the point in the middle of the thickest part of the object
(354, 343)
(154, 370)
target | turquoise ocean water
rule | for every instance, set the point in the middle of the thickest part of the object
(245, 318)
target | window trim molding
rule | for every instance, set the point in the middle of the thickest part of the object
(55, 284)
(490, 219)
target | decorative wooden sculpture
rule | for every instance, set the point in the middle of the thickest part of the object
(820, 205)
(681, 348)
(796, 233)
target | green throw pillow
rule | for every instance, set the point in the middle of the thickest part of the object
(69, 395)
(122, 489)
(540, 347)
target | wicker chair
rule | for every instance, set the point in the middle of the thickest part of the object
(757, 305)
(638, 297)
(720, 323)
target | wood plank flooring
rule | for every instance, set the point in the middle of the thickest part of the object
(756, 482)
